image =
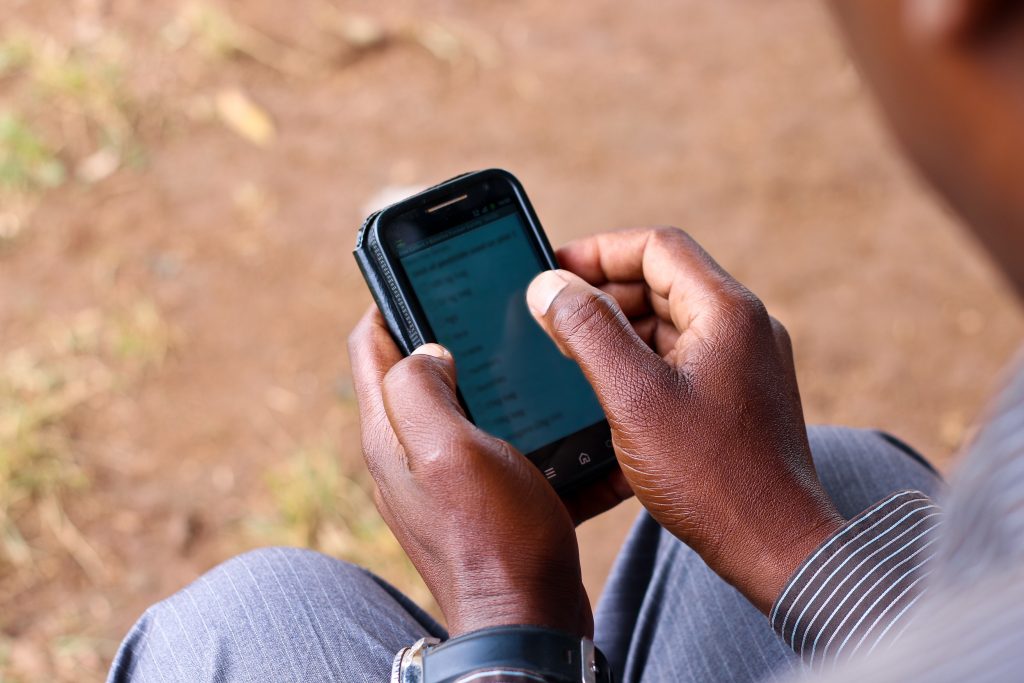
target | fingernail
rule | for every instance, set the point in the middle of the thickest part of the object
(435, 350)
(543, 290)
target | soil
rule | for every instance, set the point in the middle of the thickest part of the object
(742, 122)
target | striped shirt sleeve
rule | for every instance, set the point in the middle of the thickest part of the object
(858, 588)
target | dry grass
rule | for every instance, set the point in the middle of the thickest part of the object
(38, 466)
(68, 115)
(320, 503)
(70, 368)
(26, 162)
(343, 38)
(75, 111)
(42, 388)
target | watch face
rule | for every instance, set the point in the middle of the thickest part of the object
(407, 666)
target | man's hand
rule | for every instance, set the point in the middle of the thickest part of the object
(492, 540)
(698, 384)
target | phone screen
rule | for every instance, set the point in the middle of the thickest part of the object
(470, 280)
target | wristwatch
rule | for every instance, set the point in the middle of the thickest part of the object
(529, 653)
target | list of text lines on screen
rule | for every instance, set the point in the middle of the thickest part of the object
(471, 284)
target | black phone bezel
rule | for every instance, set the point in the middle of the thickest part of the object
(483, 187)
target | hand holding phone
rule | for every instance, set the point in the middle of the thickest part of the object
(481, 522)
(492, 540)
(698, 383)
(451, 265)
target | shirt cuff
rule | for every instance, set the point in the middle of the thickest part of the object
(857, 588)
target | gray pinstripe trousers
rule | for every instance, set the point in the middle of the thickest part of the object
(284, 614)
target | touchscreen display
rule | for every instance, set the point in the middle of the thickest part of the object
(471, 283)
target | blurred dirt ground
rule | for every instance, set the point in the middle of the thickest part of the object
(180, 185)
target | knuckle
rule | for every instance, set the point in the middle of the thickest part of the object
(671, 238)
(584, 316)
(503, 450)
(667, 233)
(748, 312)
(397, 377)
(431, 457)
(440, 450)
(666, 238)
(406, 374)
(463, 442)
(779, 330)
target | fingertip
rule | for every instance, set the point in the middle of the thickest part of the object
(445, 369)
(544, 288)
(432, 349)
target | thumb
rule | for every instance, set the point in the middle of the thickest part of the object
(590, 328)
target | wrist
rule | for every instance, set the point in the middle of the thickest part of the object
(561, 610)
(773, 552)
(780, 563)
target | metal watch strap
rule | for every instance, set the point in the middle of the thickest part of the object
(555, 655)
(407, 666)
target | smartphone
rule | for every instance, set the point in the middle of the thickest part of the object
(451, 265)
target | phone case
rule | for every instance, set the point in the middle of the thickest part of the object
(382, 284)
(370, 262)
